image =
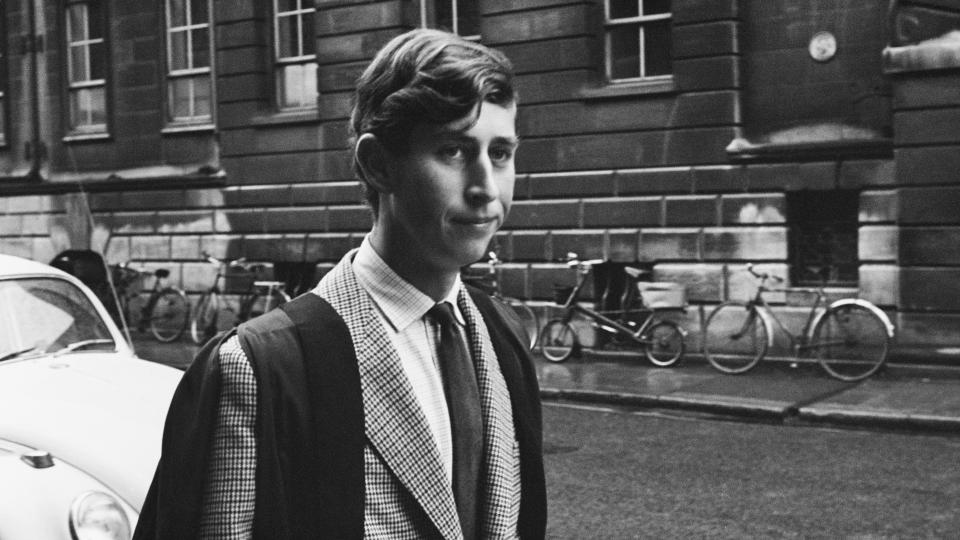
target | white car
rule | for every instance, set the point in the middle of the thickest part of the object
(81, 417)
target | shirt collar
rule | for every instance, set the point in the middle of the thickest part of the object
(401, 303)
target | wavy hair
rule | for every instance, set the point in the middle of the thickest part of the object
(425, 76)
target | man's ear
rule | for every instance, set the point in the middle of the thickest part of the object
(374, 160)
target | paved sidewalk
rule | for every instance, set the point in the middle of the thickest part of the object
(907, 397)
(913, 396)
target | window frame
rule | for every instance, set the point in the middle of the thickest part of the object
(281, 63)
(86, 131)
(193, 121)
(4, 84)
(428, 19)
(641, 21)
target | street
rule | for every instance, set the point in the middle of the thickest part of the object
(635, 474)
(618, 472)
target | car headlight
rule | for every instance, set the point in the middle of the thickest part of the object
(96, 515)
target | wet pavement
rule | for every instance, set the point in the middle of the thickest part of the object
(904, 396)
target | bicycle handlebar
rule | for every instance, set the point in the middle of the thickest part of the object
(763, 275)
(213, 260)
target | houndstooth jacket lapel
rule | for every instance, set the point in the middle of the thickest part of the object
(501, 488)
(393, 421)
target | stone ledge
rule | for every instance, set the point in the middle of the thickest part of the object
(938, 53)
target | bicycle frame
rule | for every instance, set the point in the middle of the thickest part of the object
(572, 307)
(798, 341)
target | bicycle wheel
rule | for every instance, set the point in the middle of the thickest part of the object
(734, 337)
(528, 317)
(850, 341)
(276, 299)
(558, 341)
(170, 315)
(133, 311)
(203, 324)
(666, 346)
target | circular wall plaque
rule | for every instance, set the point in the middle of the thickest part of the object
(823, 46)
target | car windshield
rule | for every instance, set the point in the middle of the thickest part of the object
(40, 315)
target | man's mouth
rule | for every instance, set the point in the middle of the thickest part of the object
(475, 221)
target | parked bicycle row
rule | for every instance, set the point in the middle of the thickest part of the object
(850, 338)
(164, 309)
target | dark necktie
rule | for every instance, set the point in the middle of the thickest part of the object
(466, 423)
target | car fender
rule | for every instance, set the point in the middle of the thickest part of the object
(35, 501)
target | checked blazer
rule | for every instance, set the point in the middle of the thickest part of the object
(407, 494)
(335, 432)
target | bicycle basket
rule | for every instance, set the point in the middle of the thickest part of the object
(561, 293)
(662, 294)
(127, 279)
(238, 280)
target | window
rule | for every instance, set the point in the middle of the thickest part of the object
(458, 16)
(87, 67)
(823, 237)
(189, 80)
(637, 39)
(295, 46)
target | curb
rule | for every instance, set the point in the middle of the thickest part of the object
(767, 410)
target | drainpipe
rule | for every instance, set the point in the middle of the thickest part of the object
(33, 44)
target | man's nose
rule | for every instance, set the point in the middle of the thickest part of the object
(482, 187)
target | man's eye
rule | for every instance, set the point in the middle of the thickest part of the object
(452, 152)
(501, 155)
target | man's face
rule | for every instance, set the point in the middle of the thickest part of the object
(453, 187)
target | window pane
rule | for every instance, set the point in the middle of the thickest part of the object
(199, 12)
(76, 25)
(468, 18)
(654, 7)
(309, 35)
(178, 12)
(298, 85)
(178, 50)
(87, 108)
(624, 48)
(620, 9)
(444, 15)
(287, 5)
(78, 64)
(657, 48)
(201, 48)
(98, 105)
(98, 61)
(179, 98)
(202, 96)
(287, 37)
(94, 20)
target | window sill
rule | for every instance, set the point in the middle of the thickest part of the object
(287, 117)
(742, 150)
(84, 137)
(636, 88)
(174, 129)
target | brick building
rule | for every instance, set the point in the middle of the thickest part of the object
(818, 139)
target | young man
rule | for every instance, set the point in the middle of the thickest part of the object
(390, 402)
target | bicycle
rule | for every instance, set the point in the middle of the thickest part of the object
(850, 338)
(239, 278)
(491, 285)
(661, 340)
(165, 310)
